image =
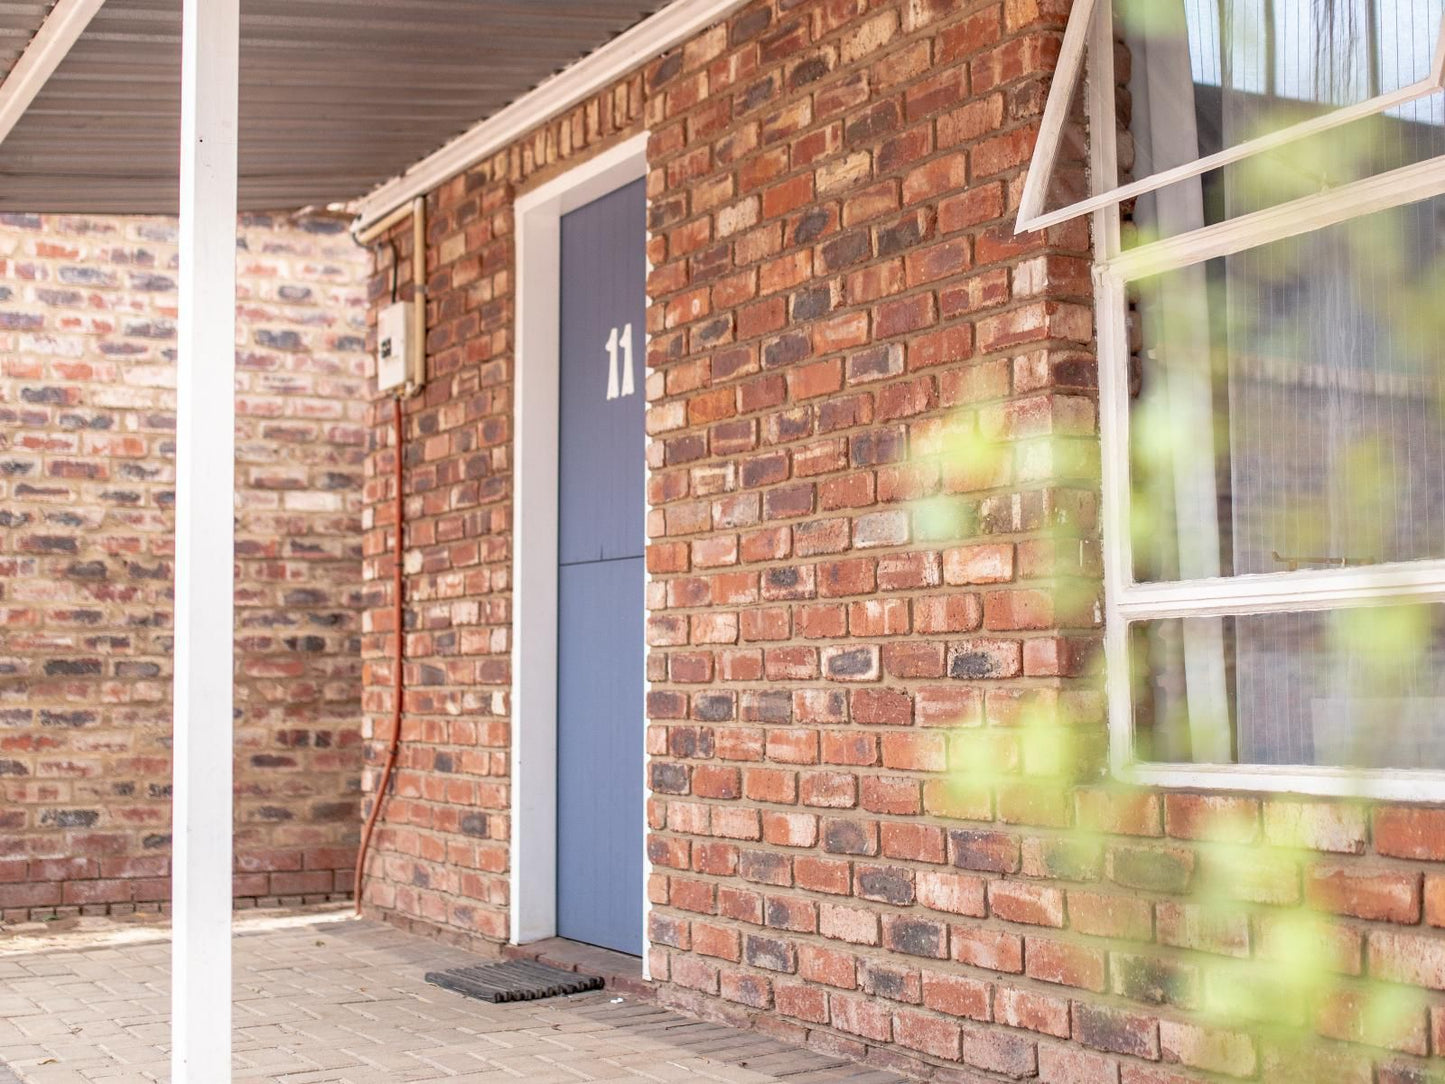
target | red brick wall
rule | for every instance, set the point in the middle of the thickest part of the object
(878, 821)
(839, 303)
(87, 377)
(441, 849)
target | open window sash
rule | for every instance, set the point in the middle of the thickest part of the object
(1079, 35)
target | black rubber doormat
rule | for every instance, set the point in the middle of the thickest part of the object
(514, 980)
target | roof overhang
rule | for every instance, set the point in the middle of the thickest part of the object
(339, 98)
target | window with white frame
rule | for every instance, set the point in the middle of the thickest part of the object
(1268, 184)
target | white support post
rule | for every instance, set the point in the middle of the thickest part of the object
(205, 546)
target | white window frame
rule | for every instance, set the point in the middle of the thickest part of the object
(1127, 601)
(1032, 213)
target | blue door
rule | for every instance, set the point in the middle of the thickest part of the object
(600, 575)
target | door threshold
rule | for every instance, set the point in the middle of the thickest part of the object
(619, 971)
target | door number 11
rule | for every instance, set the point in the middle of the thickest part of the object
(625, 341)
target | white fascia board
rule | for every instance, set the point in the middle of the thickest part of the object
(674, 24)
(50, 45)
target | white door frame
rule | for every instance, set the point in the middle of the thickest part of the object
(533, 856)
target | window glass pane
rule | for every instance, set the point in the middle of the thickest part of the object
(1287, 407)
(1068, 180)
(1204, 75)
(1355, 151)
(1361, 688)
(1209, 74)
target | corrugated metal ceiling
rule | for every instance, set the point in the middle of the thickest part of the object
(336, 95)
(18, 23)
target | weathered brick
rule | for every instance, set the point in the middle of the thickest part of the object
(1213, 817)
(88, 479)
(956, 995)
(1212, 1049)
(836, 294)
(1070, 1065)
(1323, 826)
(955, 893)
(1116, 1031)
(987, 947)
(1109, 915)
(1018, 901)
(860, 1016)
(1064, 962)
(1406, 957)
(999, 1051)
(929, 1034)
(1407, 832)
(1032, 1011)
(1382, 895)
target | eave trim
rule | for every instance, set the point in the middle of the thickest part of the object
(674, 24)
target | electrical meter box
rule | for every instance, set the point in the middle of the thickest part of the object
(393, 344)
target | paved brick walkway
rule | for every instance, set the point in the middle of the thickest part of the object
(326, 1000)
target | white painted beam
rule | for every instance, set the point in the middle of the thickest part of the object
(52, 42)
(205, 545)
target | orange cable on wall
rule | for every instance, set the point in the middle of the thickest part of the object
(398, 659)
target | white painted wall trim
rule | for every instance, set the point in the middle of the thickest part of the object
(205, 546)
(1400, 786)
(51, 44)
(538, 215)
(674, 24)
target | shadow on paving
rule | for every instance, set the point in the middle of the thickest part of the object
(333, 1000)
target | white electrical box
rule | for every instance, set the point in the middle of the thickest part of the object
(393, 344)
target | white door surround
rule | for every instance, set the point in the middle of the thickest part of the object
(533, 844)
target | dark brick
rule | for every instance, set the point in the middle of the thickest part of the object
(1116, 1031)
(765, 867)
(1156, 980)
(1154, 870)
(769, 953)
(70, 818)
(994, 852)
(669, 778)
(887, 884)
(916, 936)
(850, 837)
(72, 667)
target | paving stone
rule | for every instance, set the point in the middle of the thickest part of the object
(344, 1002)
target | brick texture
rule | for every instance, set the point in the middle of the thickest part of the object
(877, 816)
(87, 401)
(441, 848)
